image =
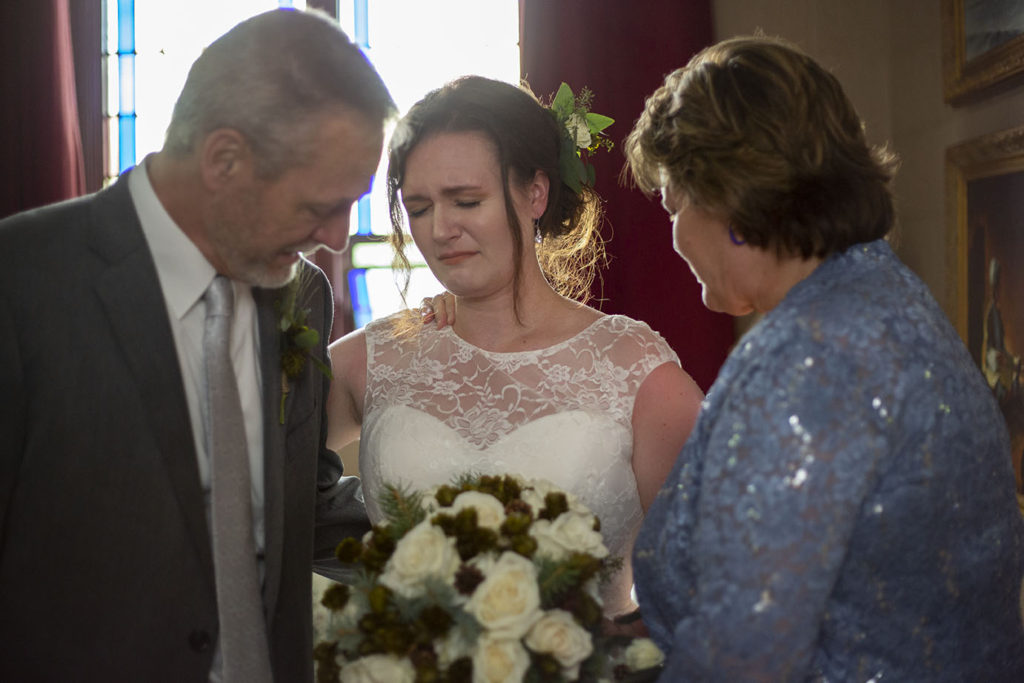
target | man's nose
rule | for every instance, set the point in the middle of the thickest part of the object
(333, 232)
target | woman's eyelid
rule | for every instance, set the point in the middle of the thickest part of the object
(416, 208)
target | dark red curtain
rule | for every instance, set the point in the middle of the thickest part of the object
(622, 52)
(39, 134)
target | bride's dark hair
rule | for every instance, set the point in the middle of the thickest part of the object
(527, 139)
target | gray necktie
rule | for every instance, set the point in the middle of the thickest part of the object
(243, 637)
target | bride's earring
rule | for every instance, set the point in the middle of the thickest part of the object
(735, 240)
(537, 237)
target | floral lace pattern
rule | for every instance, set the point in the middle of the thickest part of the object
(437, 406)
(845, 509)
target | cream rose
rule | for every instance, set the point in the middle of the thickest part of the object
(571, 532)
(557, 634)
(507, 602)
(428, 501)
(499, 660)
(642, 653)
(423, 553)
(535, 490)
(490, 513)
(378, 669)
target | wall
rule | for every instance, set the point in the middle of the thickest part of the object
(888, 55)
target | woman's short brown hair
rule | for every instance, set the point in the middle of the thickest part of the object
(754, 130)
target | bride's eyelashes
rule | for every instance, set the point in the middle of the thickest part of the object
(417, 211)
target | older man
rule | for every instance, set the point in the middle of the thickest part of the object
(164, 485)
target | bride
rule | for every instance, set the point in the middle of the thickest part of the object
(526, 380)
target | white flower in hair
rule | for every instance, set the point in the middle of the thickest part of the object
(578, 129)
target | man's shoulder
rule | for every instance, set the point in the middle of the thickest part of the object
(58, 224)
(26, 225)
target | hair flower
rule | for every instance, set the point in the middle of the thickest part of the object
(581, 135)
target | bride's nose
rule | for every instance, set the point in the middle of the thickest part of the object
(446, 226)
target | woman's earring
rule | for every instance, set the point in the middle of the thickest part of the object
(735, 240)
(537, 237)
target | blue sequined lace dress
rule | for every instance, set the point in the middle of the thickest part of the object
(844, 510)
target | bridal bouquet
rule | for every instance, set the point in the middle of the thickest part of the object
(486, 579)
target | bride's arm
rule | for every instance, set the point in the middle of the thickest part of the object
(665, 410)
(345, 400)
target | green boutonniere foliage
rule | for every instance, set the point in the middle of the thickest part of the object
(297, 338)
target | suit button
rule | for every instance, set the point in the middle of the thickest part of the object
(199, 640)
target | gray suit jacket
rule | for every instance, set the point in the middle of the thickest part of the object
(106, 570)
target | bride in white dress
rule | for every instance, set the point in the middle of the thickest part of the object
(525, 380)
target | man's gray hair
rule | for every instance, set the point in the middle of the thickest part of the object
(267, 78)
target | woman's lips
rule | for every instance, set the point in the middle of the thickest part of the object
(455, 257)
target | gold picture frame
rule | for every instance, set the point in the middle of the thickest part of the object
(985, 257)
(983, 47)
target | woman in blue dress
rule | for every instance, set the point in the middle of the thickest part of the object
(844, 509)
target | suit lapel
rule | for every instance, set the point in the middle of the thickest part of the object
(130, 292)
(273, 442)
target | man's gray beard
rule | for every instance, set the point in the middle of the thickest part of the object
(263, 277)
(256, 274)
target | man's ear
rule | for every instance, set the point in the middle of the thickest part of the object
(224, 157)
(537, 193)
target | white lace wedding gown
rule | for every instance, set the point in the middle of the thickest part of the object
(437, 406)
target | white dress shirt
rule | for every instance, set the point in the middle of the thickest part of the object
(184, 275)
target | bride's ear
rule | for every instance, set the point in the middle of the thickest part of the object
(537, 194)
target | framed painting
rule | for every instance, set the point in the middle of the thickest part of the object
(985, 194)
(983, 47)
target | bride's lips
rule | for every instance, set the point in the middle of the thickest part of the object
(454, 257)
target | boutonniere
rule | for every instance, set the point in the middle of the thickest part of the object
(297, 338)
(581, 135)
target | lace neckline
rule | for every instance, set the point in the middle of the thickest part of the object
(557, 346)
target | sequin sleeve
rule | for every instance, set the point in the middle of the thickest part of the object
(774, 518)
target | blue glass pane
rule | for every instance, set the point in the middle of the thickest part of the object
(360, 298)
(285, 3)
(363, 212)
(126, 131)
(125, 26)
(362, 37)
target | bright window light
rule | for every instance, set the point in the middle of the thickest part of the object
(416, 46)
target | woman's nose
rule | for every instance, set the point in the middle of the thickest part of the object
(446, 225)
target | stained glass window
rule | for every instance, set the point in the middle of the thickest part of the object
(416, 46)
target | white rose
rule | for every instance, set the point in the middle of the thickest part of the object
(571, 532)
(499, 660)
(507, 602)
(535, 490)
(378, 669)
(579, 131)
(490, 513)
(428, 501)
(642, 653)
(557, 634)
(423, 553)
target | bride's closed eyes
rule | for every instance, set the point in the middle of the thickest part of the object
(417, 210)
